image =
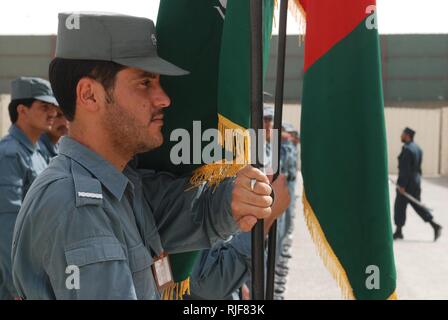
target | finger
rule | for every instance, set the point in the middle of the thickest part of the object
(254, 173)
(247, 223)
(249, 197)
(279, 183)
(279, 188)
(282, 179)
(260, 188)
(240, 209)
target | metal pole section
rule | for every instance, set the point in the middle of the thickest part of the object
(278, 115)
(256, 25)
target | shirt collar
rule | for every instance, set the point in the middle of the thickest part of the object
(51, 147)
(114, 180)
(20, 136)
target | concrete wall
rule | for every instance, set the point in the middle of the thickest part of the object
(444, 143)
(24, 56)
(415, 67)
(4, 116)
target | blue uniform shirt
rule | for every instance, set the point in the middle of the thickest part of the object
(20, 163)
(83, 216)
(48, 149)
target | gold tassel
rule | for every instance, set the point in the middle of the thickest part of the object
(234, 139)
(299, 15)
(327, 254)
(393, 296)
(177, 290)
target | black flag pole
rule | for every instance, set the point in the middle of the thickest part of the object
(278, 115)
(256, 23)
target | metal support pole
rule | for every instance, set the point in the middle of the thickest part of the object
(278, 115)
(256, 22)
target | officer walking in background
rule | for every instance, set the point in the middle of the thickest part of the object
(49, 141)
(32, 111)
(409, 181)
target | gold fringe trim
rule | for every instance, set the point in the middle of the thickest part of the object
(327, 254)
(177, 291)
(325, 251)
(214, 174)
(393, 296)
(234, 139)
(295, 5)
(299, 15)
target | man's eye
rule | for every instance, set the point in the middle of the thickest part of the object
(147, 82)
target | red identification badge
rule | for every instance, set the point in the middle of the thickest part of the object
(161, 269)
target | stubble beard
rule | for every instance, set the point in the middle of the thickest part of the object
(126, 134)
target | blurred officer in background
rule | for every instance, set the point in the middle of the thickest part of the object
(49, 141)
(32, 111)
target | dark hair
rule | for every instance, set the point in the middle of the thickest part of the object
(65, 74)
(12, 108)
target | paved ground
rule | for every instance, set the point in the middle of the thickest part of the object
(422, 265)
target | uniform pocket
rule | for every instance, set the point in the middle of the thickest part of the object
(140, 262)
(94, 250)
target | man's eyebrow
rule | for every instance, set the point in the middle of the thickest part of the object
(145, 74)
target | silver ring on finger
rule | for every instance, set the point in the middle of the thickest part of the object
(252, 184)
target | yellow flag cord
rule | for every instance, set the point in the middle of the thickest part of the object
(327, 254)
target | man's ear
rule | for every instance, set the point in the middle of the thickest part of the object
(22, 110)
(88, 93)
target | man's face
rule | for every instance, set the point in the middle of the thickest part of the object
(134, 117)
(296, 139)
(60, 125)
(404, 137)
(286, 136)
(40, 116)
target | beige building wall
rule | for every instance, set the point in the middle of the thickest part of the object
(4, 116)
(444, 143)
(291, 114)
(431, 125)
(427, 124)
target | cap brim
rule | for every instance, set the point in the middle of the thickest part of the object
(153, 64)
(48, 99)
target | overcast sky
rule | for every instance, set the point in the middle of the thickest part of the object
(40, 17)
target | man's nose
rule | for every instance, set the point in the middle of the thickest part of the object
(160, 98)
(52, 112)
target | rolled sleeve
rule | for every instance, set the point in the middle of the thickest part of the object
(223, 269)
(189, 218)
(242, 243)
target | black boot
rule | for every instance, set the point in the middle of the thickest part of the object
(437, 230)
(398, 234)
